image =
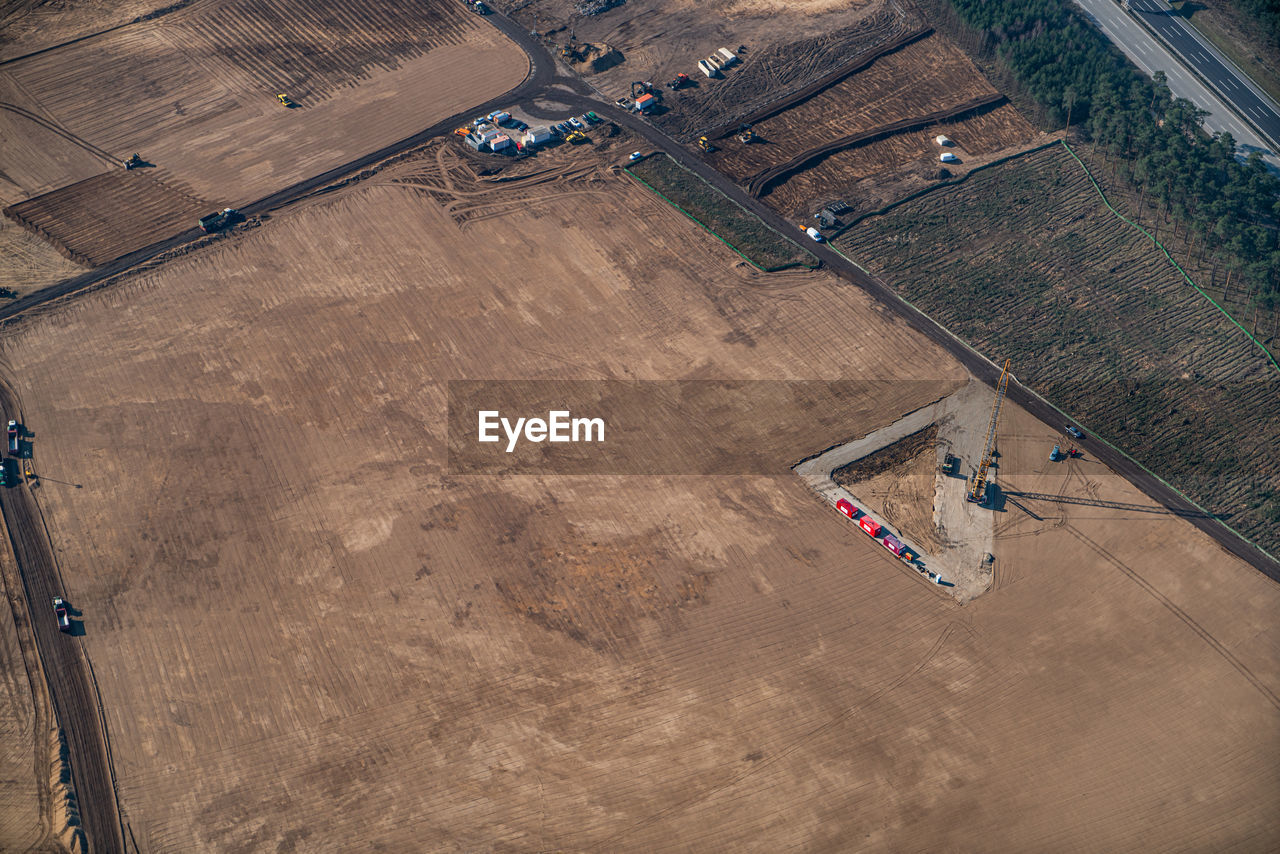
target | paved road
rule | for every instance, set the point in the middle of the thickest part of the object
(1232, 84)
(978, 365)
(75, 701)
(1151, 55)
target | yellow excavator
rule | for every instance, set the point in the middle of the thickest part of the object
(704, 144)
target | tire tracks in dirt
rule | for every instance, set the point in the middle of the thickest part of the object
(76, 703)
(1183, 616)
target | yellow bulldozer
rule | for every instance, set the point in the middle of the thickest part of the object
(704, 144)
(576, 137)
(286, 100)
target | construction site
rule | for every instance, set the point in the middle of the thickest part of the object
(830, 581)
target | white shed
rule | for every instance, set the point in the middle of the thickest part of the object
(942, 140)
(499, 142)
(707, 68)
(727, 55)
(537, 135)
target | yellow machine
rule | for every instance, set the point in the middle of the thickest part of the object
(704, 144)
(576, 137)
(746, 135)
(978, 492)
(285, 99)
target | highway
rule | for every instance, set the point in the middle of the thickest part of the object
(65, 664)
(75, 701)
(1151, 55)
(1229, 82)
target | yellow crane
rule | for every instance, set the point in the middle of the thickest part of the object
(978, 494)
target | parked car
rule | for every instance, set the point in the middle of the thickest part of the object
(577, 123)
(1075, 432)
(63, 614)
(593, 118)
(635, 155)
(519, 125)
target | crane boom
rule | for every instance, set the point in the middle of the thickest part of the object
(978, 495)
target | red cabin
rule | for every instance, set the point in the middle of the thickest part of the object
(871, 526)
(846, 508)
(893, 544)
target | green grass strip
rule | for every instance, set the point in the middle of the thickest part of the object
(1167, 254)
(1093, 433)
(713, 233)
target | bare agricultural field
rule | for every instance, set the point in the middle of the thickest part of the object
(921, 78)
(27, 262)
(906, 159)
(102, 218)
(308, 631)
(1024, 260)
(787, 47)
(194, 92)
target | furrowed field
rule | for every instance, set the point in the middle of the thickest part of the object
(1024, 261)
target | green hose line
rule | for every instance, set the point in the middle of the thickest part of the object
(1167, 254)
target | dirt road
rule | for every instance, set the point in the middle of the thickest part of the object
(75, 700)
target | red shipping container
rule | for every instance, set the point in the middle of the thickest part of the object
(846, 508)
(869, 525)
(893, 544)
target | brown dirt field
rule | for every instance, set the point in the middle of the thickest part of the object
(194, 91)
(27, 262)
(922, 78)
(31, 25)
(786, 49)
(308, 633)
(26, 725)
(914, 153)
(897, 483)
(102, 218)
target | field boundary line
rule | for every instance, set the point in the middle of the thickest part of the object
(1093, 433)
(926, 190)
(1102, 195)
(712, 232)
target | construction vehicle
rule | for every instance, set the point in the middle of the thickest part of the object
(576, 137)
(978, 493)
(13, 438)
(1055, 454)
(286, 100)
(641, 87)
(746, 135)
(949, 465)
(681, 80)
(135, 162)
(704, 144)
(571, 52)
(215, 221)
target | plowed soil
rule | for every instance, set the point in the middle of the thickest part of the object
(787, 47)
(102, 218)
(909, 158)
(881, 108)
(194, 92)
(344, 644)
(923, 77)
